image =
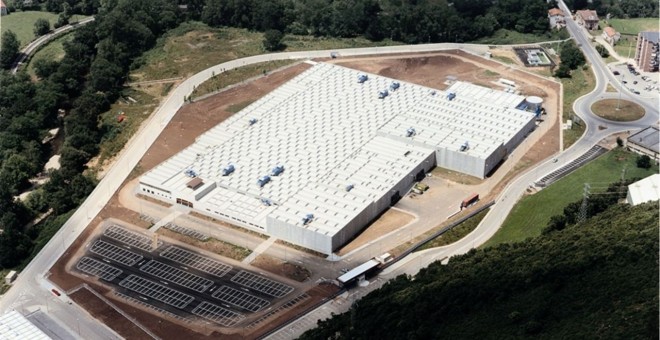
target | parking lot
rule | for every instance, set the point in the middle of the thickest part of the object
(641, 83)
(178, 280)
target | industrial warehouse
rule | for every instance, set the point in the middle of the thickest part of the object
(317, 159)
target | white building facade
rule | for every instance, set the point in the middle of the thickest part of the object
(347, 149)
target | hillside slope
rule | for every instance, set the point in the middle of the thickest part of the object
(598, 279)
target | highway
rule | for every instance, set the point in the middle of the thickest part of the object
(31, 289)
(36, 43)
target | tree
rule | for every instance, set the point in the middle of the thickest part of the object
(563, 71)
(571, 55)
(644, 162)
(273, 40)
(602, 51)
(619, 142)
(41, 27)
(9, 49)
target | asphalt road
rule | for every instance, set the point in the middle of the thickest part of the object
(36, 43)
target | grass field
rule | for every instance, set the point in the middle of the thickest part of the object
(456, 233)
(22, 23)
(54, 50)
(506, 37)
(627, 112)
(532, 213)
(634, 26)
(581, 82)
(625, 48)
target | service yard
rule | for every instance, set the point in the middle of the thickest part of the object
(195, 291)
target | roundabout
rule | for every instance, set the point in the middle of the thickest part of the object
(618, 110)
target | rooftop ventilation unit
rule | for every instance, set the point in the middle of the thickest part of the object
(277, 170)
(253, 121)
(263, 180)
(451, 96)
(190, 173)
(266, 202)
(465, 147)
(433, 93)
(307, 219)
(410, 132)
(362, 78)
(228, 170)
(350, 187)
(394, 86)
(382, 94)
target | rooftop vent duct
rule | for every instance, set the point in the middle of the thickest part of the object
(266, 202)
(410, 132)
(350, 187)
(362, 78)
(277, 170)
(190, 173)
(307, 219)
(263, 180)
(253, 121)
(451, 96)
(465, 147)
(394, 86)
(382, 94)
(228, 170)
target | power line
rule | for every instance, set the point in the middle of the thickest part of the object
(585, 203)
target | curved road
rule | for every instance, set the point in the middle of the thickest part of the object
(31, 289)
(34, 45)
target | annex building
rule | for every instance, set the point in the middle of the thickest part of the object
(317, 159)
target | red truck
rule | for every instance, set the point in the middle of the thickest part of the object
(470, 200)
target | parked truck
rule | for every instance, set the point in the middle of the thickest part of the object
(470, 200)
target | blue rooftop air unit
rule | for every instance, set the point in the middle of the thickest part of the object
(228, 170)
(362, 78)
(410, 132)
(190, 173)
(277, 170)
(263, 180)
(394, 86)
(382, 94)
(253, 121)
(465, 147)
(266, 202)
(307, 219)
(350, 187)
(451, 96)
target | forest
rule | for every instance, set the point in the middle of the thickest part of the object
(579, 280)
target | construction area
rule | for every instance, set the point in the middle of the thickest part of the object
(206, 275)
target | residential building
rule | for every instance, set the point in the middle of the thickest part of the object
(645, 190)
(587, 18)
(611, 35)
(646, 52)
(3, 8)
(556, 17)
(646, 142)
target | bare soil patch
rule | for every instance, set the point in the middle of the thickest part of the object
(194, 119)
(221, 248)
(281, 268)
(627, 111)
(390, 221)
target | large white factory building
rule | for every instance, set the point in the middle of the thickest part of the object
(317, 159)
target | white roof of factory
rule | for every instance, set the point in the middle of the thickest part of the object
(328, 131)
(645, 190)
(14, 326)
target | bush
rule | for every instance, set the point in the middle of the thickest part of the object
(41, 27)
(602, 50)
(619, 142)
(273, 40)
(644, 162)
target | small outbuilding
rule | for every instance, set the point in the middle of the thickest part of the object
(645, 190)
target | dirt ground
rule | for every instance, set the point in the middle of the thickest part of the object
(198, 117)
(389, 221)
(281, 268)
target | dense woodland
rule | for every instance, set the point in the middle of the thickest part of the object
(596, 279)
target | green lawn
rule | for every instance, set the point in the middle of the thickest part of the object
(54, 50)
(505, 37)
(580, 83)
(634, 26)
(22, 23)
(532, 213)
(626, 46)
